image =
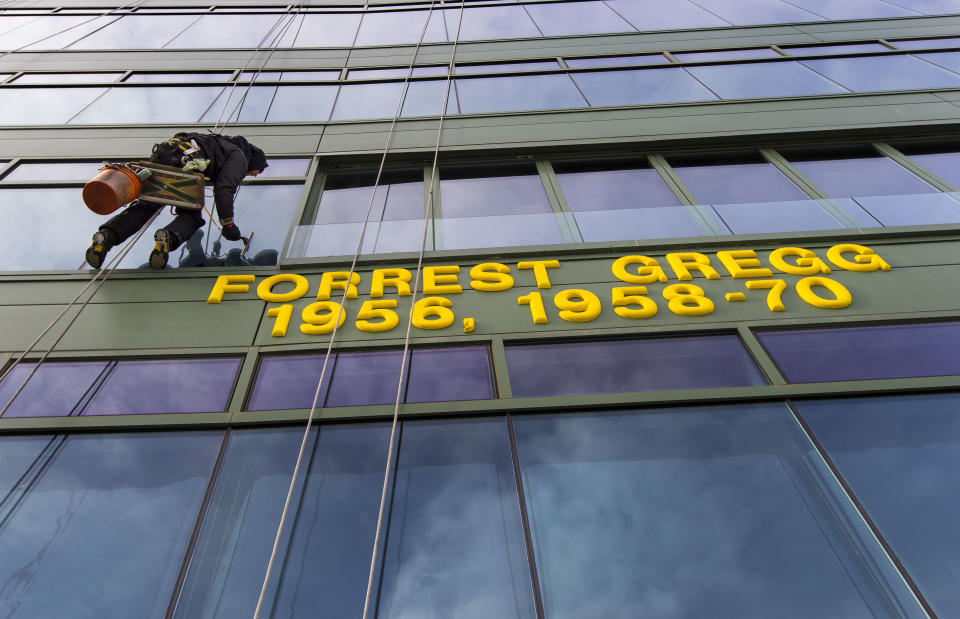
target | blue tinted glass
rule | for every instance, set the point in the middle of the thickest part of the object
(665, 14)
(241, 104)
(425, 98)
(577, 18)
(49, 229)
(369, 101)
(887, 72)
(137, 32)
(745, 12)
(653, 364)
(146, 104)
(302, 103)
(46, 171)
(927, 43)
(481, 191)
(166, 386)
(444, 374)
(947, 60)
(327, 30)
(602, 190)
(517, 93)
(764, 79)
(400, 27)
(507, 67)
(455, 497)
(231, 31)
(655, 222)
(703, 512)
(792, 216)
(55, 389)
(17, 455)
(626, 87)
(103, 529)
(616, 61)
(322, 565)
(738, 183)
(726, 54)
(361, 378)
(51, 31)
(67, 78)
(816, 50)
(853, 9)
(944, 165)
(922, 209)
(43, 106)
(491, 22)
(862, 176)
(900, 454)
(178, 77)
(290, 382)
(860, 353)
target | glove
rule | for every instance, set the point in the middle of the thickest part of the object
(230, 231)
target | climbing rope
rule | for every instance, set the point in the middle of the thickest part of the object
(353, 267)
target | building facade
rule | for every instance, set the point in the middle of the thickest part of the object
(553, 309)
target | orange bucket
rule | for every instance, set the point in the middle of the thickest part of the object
(113, 187)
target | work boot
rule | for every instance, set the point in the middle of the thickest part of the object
(158, 257)
(103, 241)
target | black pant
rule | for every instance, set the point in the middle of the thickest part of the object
(139, 212)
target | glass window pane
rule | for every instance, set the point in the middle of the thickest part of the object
(137, 32)
(945, 165)
(54, 171)
(862, 353)
(209, 76)
(400, 27)
(368, 101)
(240, 104)
(17, 455)
(455, 497)
(261, 76)
(140, 104)
(790, 216)
(50, 224)
(492, 190)
(52, 31)
(425, 98)
(899, 454)
(517, 93)
(361, 378)
(665, 14)
(947, 60)
(866, 73)
(298, 103)
(166, 386)
(507, 67)
(853, 9)
(577, 18)
(290, 382)
(913, 210)
(767, 79)
(726, 54)
(746, 178)
(285, 167)
(927, 43)
(492, 22)
(667, 85)
(860, 176)
(96, 498)
(747, 12)
(372, 74)
(308, 76)
(849, 48)
(657, 222)
(56, 389)
(616, 61)
(619, 186)
(700, 512)
(332, 534)
(43, 106)
(653, 364)
(328, 30)
(67, 78)
(230, 31)
(445, 374)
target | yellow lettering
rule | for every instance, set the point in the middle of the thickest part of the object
(491, 277)
(647, 274)
(229, 283)
(866, 259)
(540, 270)
(741, 263)
(433, 313)
(338, 280)
(282, 313)
(807, 262)
(395, 278)
(685, 262)
(322, 317)
(377, 309)
(441, 280)
(300, 288)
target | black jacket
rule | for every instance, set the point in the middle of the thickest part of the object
(229, 164)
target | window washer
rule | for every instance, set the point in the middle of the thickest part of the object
(223, 159)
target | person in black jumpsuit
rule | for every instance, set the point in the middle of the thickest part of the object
(230, 160)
